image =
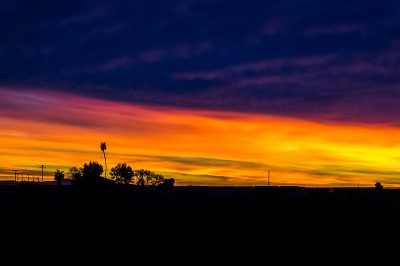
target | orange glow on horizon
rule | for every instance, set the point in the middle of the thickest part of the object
(194, 146)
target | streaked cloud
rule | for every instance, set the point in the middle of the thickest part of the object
(195, 146)
(306, 89)
(324, 60)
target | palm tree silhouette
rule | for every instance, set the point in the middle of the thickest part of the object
(59, 177)
(103, 147)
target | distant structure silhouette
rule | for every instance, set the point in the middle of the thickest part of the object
(103, 147)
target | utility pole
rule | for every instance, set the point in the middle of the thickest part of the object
(15, 175)
(269, 171)
(28, 177)
(42, 166)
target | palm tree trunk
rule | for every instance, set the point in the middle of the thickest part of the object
(105, 162)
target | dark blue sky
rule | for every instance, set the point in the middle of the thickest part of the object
(335, 60)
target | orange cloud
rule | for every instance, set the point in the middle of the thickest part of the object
(193, 146)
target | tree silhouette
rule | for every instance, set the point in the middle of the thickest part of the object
(378, 186)
(59, 177)
(147, 177)
(75, 174)
(142, 177)
(168, 183)
(91, 172)
(122, 173)
(103, 147)
(156, 179)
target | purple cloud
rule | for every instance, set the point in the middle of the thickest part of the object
(257, 66)
(122, 62)
(275, 25)
(184, 50)
(335, 29)
(292, 58)
(95, 12)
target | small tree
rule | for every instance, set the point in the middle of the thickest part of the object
(75, 174)
(91, 172)
(169, 183)
(157, 179)
(142, 177)
(59, 177)
(378, 186)
(122, 173)
(147, 177)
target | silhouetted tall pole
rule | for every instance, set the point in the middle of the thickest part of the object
(269, 171)
(42, 166)
(28, 177)
(15, 175)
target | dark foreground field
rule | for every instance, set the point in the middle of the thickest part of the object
(46, 225)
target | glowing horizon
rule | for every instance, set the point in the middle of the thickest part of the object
(199, 147)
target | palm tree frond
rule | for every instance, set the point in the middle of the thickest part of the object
(103, 146)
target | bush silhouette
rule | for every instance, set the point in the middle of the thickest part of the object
(378, 186)
(168, 183)
(122, 173)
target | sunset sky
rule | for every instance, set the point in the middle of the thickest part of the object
(207, 92)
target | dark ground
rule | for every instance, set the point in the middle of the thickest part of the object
(47, 225)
